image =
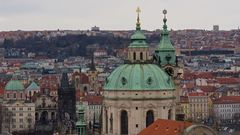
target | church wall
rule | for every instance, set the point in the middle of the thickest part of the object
(136, 108)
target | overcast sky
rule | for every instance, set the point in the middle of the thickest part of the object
(117, 14)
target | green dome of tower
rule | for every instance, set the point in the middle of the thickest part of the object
(14, 85)
(139, 77)
(138, 73)
(138, 39)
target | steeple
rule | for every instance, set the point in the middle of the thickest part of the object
(92, 66)
(138, 50)
(165, 52)
(64, 80)
(165, 43)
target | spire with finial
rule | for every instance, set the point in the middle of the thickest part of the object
(165, 31)
(138, 25)
(165, 52)
(92, 66)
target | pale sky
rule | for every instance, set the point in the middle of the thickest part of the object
(117, 14)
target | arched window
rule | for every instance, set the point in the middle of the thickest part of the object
(149, 118)
(134, 56)
(141, 56)
(170, 114)
(85, 88)
(53, 116)
(106, 120)
(111, 123)
(124, 122)
(36, 116)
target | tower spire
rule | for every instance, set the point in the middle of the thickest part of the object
(138, 24)
(165, 31)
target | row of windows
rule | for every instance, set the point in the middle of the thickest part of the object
(15, 126)
(228, 105)
(198, 105)
(14, 95)
(229, 115)
(95, 106)
(229, 110)
(198, 100)
(18, 108)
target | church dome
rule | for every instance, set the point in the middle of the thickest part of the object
(138, 35)
(139, 77)
(14, 85)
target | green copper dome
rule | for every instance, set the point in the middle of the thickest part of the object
(138, 39)
(14, 85)
(139, 77)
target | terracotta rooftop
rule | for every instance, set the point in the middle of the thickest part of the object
(228, 80)
(165, 127)
(207, 88)
(93, 99)
(196, 94)
(184, 99)
(227, 100)
(206, 75)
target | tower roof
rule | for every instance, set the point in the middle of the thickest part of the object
(64, 80)
(92, 66)
(33, 86)
(165, 43)
(138, 39)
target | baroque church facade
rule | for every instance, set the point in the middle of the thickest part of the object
(141, 90)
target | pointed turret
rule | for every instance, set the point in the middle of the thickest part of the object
(138, 50)
(165, 52)
(64, 80)
(92, 66)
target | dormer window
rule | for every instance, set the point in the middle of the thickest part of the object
(149, 81)
(168, 57)
(124, 81)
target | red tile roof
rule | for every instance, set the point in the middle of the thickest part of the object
(196, 94)
(228, 80)
(1, 92)
(184, 99)
(165, 127)
(227, 100)
(93, 99)
(205, 75)
(83, 77)
(207, 88)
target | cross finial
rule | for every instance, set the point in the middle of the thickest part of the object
(138, 18)
(138, 10)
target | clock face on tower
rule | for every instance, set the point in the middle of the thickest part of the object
(169, 70)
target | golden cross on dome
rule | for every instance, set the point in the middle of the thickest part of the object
(138, 12)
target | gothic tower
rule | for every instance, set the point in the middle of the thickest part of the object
(66, 100)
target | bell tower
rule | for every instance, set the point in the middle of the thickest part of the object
(165, 52)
